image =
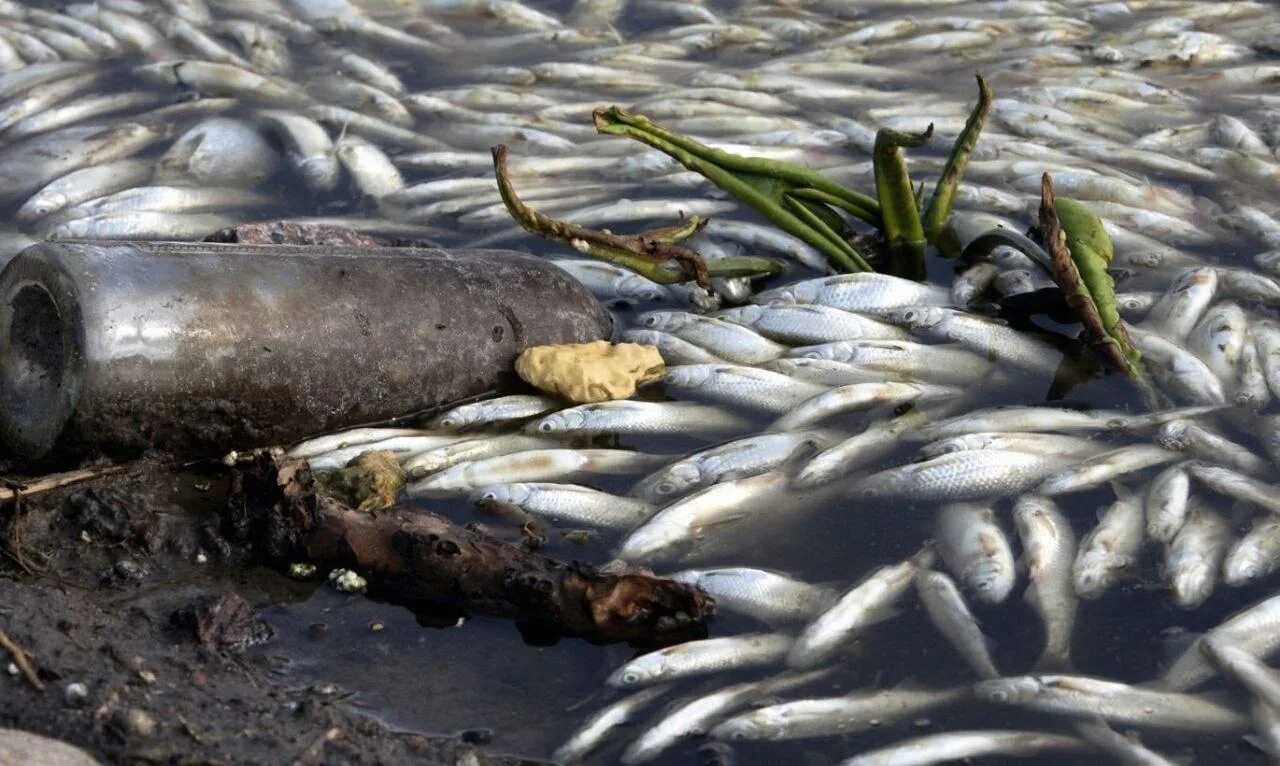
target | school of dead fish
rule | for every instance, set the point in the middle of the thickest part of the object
(172, 118)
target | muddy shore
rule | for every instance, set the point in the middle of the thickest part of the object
(142, 625)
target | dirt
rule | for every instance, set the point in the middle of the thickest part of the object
(141, 622)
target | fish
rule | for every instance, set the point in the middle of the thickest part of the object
(725, 340)
(945, 364)
(1110, 551)
(600, 727)
(863, 605)
(532, 465)
(963, 745)
(1099, 469)
(1034, 443)
(737, 459)
(1193, 559)
(1244, 668)
(698, 716)
(989, 338)
(85, 184)
(568, 504)
(871, 294)
(675, 531)
(803, 324)
(1252, 628)
(834, 716)
(1166, 502)
(1116, 703)
(638, 417)
(767, 596)
(1255, 555)
(467, 448)
(1210, 447)
(740, 386)
(953, 619)
(1049, 552)
(698, 658)
(857, 397)
(961, 476)
(497, 410)
(976, 549)
(1236, 485)
(373, 172)
(1182, 306)
(1036, 419)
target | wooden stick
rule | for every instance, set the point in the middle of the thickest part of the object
(55, 480)
(20, 659)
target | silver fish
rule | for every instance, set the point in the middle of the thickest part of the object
(1110, 551)
(802, 325)
(987, 337)
(1262, 681)
(963, 745)
(1211, 447)
(976, 549)
(733, 460)
(746, 387)
(869, 293)
(723, 339)
(468, 448)
(875, 441)
(502, 408)
(767, 596)
(568, 503)
(597, 730)
(1108, 466)
(639, 417)
(1175, 314)
(698, 716)
(1237, 486)
(533, 465)
(1166, 502)
(1039, 444)
(1084, 697)
(860, 607)
(696, 658)
(1253, 629)
(833, 716)
(947, 364)
(959, 476)
(1255, 555)
(1049, 551)
(857, 397)
(1193, 560)
(951, 616)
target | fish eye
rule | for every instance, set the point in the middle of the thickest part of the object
(630, 677)
(999, 696)
(489, 496)
(651, 321)
(546, 427)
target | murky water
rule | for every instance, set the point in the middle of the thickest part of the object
(432, 674)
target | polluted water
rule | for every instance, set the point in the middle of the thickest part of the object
(932, 532)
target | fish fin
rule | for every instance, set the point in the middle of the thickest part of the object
(717, 522)
(799, 458)
(1260, 744)
(1122, 492)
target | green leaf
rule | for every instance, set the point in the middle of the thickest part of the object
(899, 204)
(1079, 251)
(764, 185)
(944, 194)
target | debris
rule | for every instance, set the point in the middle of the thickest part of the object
(346, 581)
(22, 659)
(76, 693)
(415, 555)
(369, 483)
(590, 372)
(226, 623)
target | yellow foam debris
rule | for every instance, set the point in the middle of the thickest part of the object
(599, 371)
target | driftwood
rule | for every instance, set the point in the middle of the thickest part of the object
(407, 553)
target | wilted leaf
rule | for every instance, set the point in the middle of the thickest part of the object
(649, 253)
(1079, 251)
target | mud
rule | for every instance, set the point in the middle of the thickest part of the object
(142, 624)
